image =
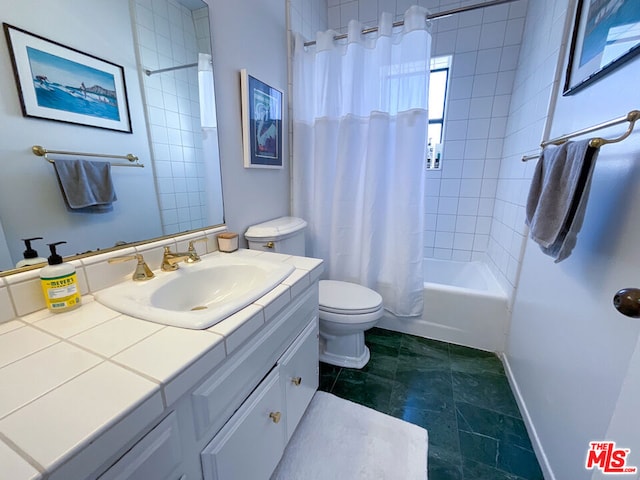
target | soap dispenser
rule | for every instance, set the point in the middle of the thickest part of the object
(30, 255)
(59, 283)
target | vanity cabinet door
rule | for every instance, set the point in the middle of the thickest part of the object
(299, 369)
(251, 443)
(156, 456)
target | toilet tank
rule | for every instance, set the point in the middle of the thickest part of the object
(280, 235)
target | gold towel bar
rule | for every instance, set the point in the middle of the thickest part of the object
(631, 117)
(43, 152)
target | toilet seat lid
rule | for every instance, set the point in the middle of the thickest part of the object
(348, 298)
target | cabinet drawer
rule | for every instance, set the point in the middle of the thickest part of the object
(220, 395)
(299, 371)
(155, 456)
(251, 443)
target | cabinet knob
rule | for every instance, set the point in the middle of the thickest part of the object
(296, 381)
(275, 416)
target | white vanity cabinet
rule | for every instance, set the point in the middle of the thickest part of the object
(252, 442)
(299, 374)
(235, 423)
(158, 455)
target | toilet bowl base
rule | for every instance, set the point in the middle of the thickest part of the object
(344, 351)
(348, 362)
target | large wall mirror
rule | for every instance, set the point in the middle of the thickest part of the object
(180, 187)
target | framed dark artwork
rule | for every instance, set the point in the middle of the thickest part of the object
(56, 82)
(606, 34)
(261, 123)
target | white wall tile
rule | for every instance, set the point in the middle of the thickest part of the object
(448, 205)
(452, 168)
(446, 223)
(489, 60)
(463, 241)
(461, 255)
(493, 34)
(442, 253)
(465, 224)
(464, 64)
(468, 205)
(334, 16)
(348, 12)
(450, 187)
(468, 39)
(470, 187)
(444, 239)
(368, 11)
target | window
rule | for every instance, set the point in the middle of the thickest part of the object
(437, 97)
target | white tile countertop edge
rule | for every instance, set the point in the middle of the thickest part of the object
(174, 378)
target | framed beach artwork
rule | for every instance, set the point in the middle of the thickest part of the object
(56, 82)
(606, 34)
(261, 123)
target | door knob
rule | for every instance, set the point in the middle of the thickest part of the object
(627, 302)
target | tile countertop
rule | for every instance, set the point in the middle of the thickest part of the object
(68, 378)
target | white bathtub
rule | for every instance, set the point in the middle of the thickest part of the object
(463, 304)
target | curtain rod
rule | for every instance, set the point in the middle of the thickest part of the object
(169, 69)
(632, 117)
(431, 16)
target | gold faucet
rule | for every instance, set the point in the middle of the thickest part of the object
(170, 259)
(194, 257)
(142, 271)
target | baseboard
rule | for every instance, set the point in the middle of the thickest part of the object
(531, 429)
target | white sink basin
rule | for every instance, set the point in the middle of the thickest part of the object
(197, 295)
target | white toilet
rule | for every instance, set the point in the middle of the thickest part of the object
(346, 309)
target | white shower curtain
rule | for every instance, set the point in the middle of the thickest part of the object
(209, 124)
(359, 142)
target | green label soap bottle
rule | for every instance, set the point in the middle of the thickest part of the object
(59, 283)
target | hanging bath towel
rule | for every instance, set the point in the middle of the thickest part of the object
(86, 186)
(558, 196)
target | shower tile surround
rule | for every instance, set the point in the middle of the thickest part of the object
(93, 348)
(167, 35)
(459, 394)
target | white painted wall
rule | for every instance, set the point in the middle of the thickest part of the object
(30, 201)
(569, 350)
(249, 34)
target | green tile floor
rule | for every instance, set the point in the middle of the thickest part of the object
(459, 394)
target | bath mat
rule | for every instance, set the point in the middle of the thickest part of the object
(338, 439)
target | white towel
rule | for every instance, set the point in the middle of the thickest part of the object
(558, 196)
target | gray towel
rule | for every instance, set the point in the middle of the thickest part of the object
(558, 196)
(86, 186)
